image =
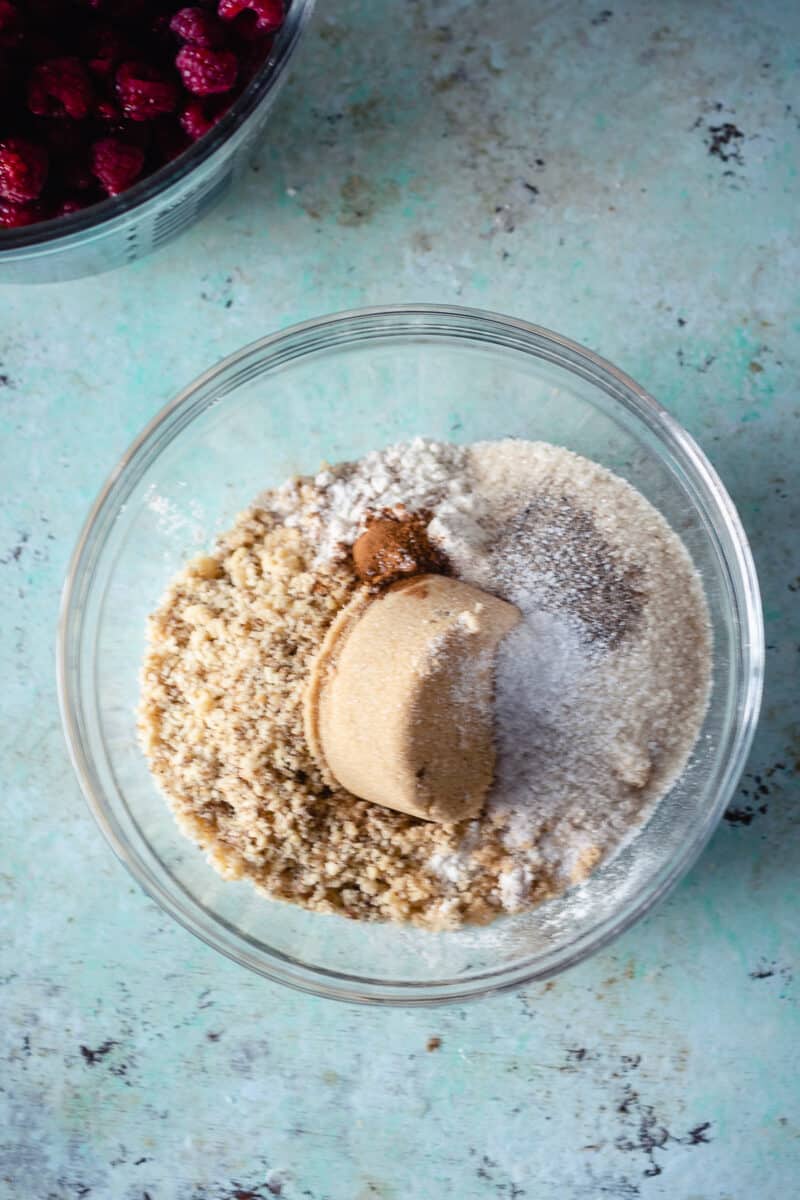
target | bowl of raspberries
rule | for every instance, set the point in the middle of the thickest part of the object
(123, 121)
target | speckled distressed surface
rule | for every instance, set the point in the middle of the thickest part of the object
(627, 176)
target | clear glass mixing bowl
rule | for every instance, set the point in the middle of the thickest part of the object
(152, 212)
(333, 389)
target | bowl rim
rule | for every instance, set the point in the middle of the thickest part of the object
(45, 235)
(360, 989)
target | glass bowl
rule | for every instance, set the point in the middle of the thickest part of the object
(157, 208)
(332, 389)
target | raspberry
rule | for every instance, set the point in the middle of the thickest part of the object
(269, 13)
(194, 120)
(116, 164)
(206, 72)
(23, 170)
(60, 87)
(199, 27)
(14, 216)
(143, 91)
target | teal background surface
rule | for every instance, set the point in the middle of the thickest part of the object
(626, 176)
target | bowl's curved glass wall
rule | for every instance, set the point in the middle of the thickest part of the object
(335, 390)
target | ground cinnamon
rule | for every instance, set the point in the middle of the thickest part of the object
(395, 545)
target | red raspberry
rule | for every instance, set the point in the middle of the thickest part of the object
(194, 120)
(14, 216)
(206, 72)
(60, 87)
(269, 13)
(116, 164)
(143, 91)
(23, 170)
(199, 27)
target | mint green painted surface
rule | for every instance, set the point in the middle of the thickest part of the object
(542, 159)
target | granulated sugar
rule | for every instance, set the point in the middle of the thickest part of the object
(601, 690)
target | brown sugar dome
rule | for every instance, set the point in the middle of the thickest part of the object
(399, 708)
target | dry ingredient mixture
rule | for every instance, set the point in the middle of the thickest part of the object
(600, 690)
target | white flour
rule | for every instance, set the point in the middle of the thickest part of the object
(420, 474)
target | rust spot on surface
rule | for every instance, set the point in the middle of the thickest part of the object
(95, 1056)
